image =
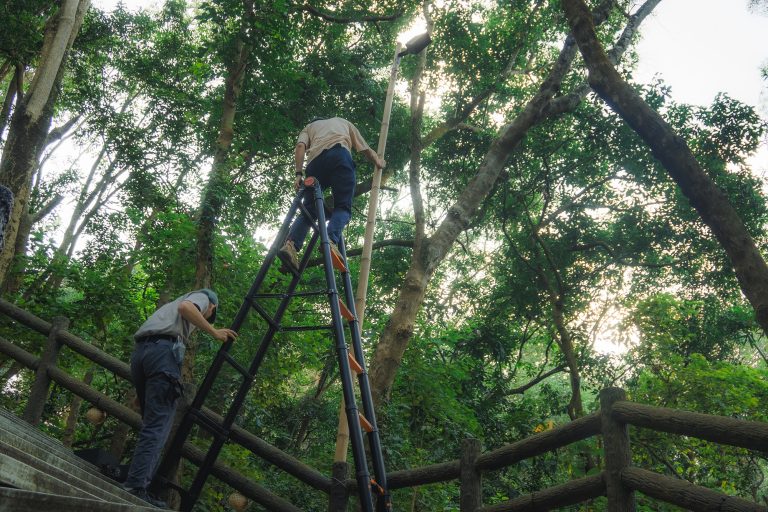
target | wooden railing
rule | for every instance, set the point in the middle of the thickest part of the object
(618, 481)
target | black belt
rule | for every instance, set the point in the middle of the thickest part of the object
(156, 337)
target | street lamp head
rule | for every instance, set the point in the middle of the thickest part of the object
(416, 44)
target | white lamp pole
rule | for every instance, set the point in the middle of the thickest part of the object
(413, 46)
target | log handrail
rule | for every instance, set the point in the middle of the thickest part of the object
(718, 429)
(569, 493)
(507, 455)
(581, 428)
(615, 414)
(286, 462)
(685, 494)
(116, 366)
(277, 457)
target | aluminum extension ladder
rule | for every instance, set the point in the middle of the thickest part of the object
(368, 488)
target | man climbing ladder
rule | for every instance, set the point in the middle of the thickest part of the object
(372, 491)
(327, 144)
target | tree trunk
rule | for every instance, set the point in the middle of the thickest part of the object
(674, 154)
(214, 194)
(428, 255)
(68, 437)
(5, 110)
(399, 328)
(32, 118)
(123, 430)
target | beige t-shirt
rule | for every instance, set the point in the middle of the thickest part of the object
(326, 133)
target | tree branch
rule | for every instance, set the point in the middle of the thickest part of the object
(46, 208)
(58, 132)
(357, 19)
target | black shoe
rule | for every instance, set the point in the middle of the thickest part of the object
(144, 495)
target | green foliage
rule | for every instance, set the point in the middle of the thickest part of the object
(583, 223)
(23, 29)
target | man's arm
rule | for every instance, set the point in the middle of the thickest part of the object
(189, 312)
(372, 157)
(298, 162)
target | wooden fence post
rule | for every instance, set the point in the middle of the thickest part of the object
(471, 479)
(618, 454)
(38, 395)
(338, 497)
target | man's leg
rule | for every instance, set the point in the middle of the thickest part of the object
(300, 227)
(342, 183)
(160, 392)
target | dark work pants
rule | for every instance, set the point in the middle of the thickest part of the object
(334, 169)
(156, 375)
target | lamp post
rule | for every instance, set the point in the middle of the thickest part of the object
(412, 47)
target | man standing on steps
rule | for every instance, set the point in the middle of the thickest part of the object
(327, 144)
(156, 373)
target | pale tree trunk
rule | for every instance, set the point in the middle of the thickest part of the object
(430, 254)
(13, 369)
(672, 151)
(32, 118)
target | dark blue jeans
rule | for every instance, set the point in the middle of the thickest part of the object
(156, 375)
(334, 169)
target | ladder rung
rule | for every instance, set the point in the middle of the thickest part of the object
(306, 328)
(375, 487)
(353, 364)
(173, 485)
(207, 423)
(237, 366)
(266, 316)
(338, 263)
(364, 423)
(345, 312)
(285, 295)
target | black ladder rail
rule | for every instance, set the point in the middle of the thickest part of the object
(383, 501)
(204, 469)
(356, 435)
(174, 450)
(221, 432)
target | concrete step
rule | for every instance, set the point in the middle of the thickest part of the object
(14, 473)
(12, 423)
(14, 435)
(32, 461)
(18, 500)
(54, 468)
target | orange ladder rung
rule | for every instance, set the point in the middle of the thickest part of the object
(353, 364)
(337, 262)
(345, 312)
(375, 487)
(364, 423)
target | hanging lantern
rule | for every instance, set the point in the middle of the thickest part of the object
(237, 501)
(96, 416)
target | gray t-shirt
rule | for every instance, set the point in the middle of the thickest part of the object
(167, 320)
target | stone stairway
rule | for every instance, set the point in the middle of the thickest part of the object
(38, 473)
